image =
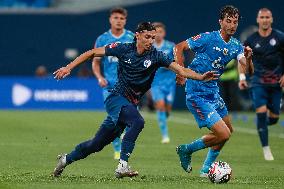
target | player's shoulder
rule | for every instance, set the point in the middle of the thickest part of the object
(103, 36)
(129, 33)
(169, 43)
(278, 33)
(236, 41)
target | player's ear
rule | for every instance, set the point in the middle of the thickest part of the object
(220, 22)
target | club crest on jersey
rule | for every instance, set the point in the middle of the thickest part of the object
(194, 38)
(225, 51)
(272, 42)
(147, 63)
(112, 45)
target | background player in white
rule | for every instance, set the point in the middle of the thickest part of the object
(116, 34)
(267, 81)
(164, 84)
(213, 50)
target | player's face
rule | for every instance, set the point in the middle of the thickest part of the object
(117, 21)
(160, 33)
(229, 24)
(264, 20)
(146, 39)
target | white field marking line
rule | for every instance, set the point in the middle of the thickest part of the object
(180, 120)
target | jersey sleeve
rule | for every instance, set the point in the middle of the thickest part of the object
(115, 49)
(164, 60)
(198, 43)
(240, 53)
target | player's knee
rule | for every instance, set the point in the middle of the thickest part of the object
(272, 120)
(225, 136)
(139, 123)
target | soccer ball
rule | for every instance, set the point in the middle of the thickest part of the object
(220, 172)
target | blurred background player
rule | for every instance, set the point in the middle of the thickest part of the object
(213, 51)
(268, 53)
(164, 84)
(116, 34)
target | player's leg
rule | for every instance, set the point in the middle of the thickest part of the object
(214, 151)
(129, 116)
(116, 144)
(274, 105)
(160, 105)
(105, 135)
(260, 101)
(205, 115)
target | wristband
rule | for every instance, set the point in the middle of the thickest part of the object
(242, 77)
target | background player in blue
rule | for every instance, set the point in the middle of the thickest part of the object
(213, 50)
(116, 34)
(268, 54)
(137, 65)
(164, 84)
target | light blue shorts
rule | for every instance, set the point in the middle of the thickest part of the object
(207, 109)
(159, 93)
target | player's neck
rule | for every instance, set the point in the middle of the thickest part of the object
(264, 33)
(116, 32)
(159, 42)
(140, 49)
(224, 36)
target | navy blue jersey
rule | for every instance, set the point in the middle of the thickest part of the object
(268, 54)
(135, 72)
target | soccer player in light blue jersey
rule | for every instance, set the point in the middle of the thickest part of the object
(213, 50)
(116, 34)
(164, 84)
(137, 65)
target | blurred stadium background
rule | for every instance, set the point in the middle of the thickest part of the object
(38, 36)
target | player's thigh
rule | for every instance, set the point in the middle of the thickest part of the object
(274, 101)
(221, 130)
(260, 98)
(203, 111)
(158, 98)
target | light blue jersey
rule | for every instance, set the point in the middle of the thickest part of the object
(211, 53)
(110, 62)
(164, 84)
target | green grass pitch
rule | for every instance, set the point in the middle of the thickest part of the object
(30, 142)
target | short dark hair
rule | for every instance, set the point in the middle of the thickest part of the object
(145, 26)
(119, 10)
(159, 25)
(230, 11)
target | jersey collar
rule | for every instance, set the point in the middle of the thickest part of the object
(116, 36)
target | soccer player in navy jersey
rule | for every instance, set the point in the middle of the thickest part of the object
(137, 65)
(164, 84)
(213, 51)
(116, 34)
(267, 81)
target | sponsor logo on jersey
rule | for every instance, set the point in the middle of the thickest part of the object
(257, 45)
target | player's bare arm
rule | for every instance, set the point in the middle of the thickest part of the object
(179, 58)
(96, 66)
(65, 71)
(245, 66)
(188, 73)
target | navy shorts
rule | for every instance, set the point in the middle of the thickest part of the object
(267, 95)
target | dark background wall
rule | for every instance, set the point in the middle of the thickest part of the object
(29, 40)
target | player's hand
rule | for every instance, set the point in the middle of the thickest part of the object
(102, 82)
(180, 80)
(243, 84)
(281, 81)
(210, 75)
(248, 52)
(61, 73)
